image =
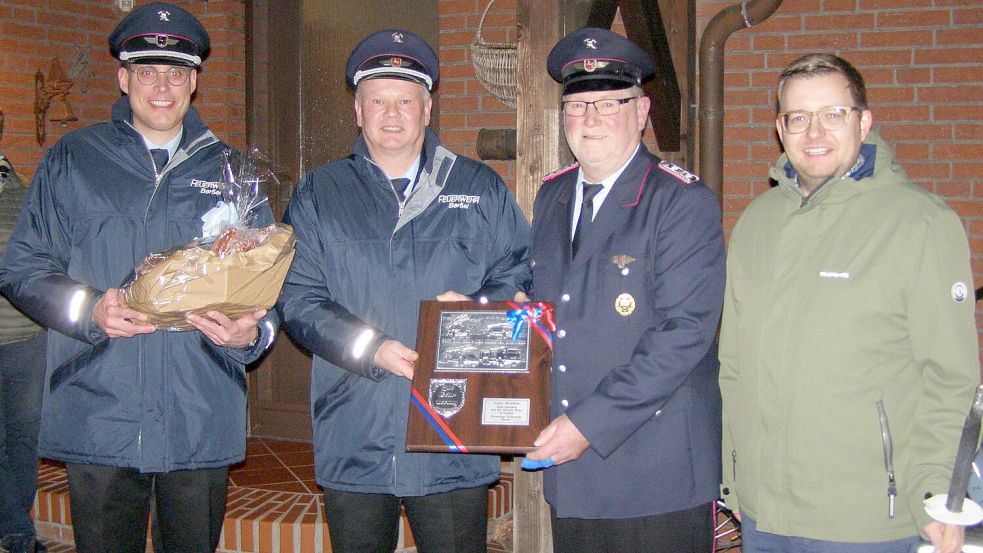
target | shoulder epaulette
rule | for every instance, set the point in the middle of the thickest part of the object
(559, 172)
(678, 172)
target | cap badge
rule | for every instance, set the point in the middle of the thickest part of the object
(397, 37)
(396, 62)
(591, 43)
(590, 65)
(161, 41)
(164, 15)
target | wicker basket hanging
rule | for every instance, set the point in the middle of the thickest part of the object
(495, 64)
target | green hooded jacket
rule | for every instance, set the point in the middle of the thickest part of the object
(861, 293)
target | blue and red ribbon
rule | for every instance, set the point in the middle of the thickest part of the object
(538, 314)
(454, 444)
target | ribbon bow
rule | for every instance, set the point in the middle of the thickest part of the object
(536, 313)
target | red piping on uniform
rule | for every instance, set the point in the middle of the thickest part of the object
(641, 186)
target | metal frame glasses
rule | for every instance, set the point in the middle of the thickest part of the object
(578, 108)
(148, 74)
(833, 118)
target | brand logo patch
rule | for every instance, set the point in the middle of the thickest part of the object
(960, 292)
(206, 187)
(457, 201)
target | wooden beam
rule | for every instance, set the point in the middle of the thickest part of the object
(541, 149)
(602, 13)
(539, 136)
(644, 26)
(495, 144)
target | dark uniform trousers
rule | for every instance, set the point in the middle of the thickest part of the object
(450, 522)
(686, 531)
(110, 508)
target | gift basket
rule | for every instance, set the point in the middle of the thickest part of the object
(232, 268)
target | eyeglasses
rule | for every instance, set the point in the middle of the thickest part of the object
(832, 119)
(577, 108)
(147, 75)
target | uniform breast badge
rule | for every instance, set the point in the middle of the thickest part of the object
(624, 304)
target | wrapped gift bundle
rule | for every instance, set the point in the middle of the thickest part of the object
(233, 268)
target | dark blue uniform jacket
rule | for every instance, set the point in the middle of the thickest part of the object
(362, 263)
(637, 376)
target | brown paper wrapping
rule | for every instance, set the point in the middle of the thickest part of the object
(170, 285)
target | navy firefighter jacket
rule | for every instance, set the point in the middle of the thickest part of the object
(156, 402)
(364, 262)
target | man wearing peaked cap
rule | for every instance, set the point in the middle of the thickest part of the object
(136, 413)
(629, 248)
(598, 59)
(393, 54)
(401, 220)
(160, 33)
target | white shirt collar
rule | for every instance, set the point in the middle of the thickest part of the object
(607, 183)
(171, 145)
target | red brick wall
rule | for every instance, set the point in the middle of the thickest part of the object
(922, 67)
(465, 106)
(922, 70)
(33, 32)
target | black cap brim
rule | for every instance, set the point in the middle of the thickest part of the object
(160, 60)
(595, 85)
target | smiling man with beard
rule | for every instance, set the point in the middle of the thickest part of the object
(400, 220)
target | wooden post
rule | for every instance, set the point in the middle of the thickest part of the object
(539, 137)
(540, 150)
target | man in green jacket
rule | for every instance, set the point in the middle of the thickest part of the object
(848, 347)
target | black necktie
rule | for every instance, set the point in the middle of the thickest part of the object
(586, 214)
(399, 185)
(160, 158)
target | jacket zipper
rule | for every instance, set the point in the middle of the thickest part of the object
(892, 489)
(205, 139)
(733, 464)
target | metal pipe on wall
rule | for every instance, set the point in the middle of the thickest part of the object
(711, 111)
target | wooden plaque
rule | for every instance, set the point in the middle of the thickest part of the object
(480, 385)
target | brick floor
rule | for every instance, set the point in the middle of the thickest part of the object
(273, 505)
